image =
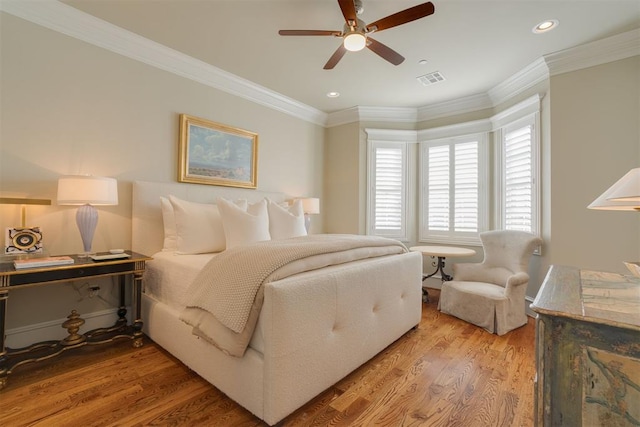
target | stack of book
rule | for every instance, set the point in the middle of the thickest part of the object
(42, 262)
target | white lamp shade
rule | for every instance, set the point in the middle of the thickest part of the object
(86, 189)
(310, 205)
(627, 188)
(605, 202)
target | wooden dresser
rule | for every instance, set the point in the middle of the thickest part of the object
(587, 349)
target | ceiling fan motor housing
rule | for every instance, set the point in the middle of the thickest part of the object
(359, 7)
(359, 28)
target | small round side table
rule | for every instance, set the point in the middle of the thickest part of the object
(440, 252)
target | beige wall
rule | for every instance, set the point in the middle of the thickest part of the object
(342, 180)
(595, 135)
(68, 107)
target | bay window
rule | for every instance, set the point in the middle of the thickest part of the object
(457, 163)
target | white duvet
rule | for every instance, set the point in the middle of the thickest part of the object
(225, 298)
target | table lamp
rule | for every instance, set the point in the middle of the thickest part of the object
(87, 191)
(310, 206)
(623, 195)
(627, 189)
(23, 240)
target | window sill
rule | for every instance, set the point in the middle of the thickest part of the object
(452, 241)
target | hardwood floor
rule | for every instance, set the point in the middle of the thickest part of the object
(444, 373)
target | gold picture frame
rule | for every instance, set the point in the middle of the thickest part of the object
(215, 154)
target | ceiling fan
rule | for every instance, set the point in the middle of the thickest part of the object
(355, 34)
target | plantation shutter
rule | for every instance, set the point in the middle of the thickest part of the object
(454, 180)
(518, 179)
(389, 190)
(439, 196)
(466, 187)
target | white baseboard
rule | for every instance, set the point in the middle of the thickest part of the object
(529, 312)
(433, 282)
(53, 330)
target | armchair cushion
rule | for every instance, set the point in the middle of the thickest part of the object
(486, 290)
(481, 273)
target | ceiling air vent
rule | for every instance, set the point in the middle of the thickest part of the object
(431, 78)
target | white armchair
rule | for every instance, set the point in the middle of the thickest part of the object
(491, 294)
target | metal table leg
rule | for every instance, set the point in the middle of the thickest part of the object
(439, 269)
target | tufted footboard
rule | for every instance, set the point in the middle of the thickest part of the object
(316, 331)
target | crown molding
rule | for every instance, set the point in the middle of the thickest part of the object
(452, 131)
(455, 106)
(372, 114)
(343, 117)
(388, 114)
(67, 20)
(530, 105)
(525, 79)
(409, 115)
(614, 48)
(392, 135)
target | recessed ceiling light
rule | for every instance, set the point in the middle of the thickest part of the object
(545, 26)
(333, 94)
(422, 62)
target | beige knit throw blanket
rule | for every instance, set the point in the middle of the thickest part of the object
(226, 289)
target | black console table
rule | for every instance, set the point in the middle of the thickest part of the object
(81, 269)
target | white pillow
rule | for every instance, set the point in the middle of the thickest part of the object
(169, 223)
(286, 222)
(244, 226)
(198, 227)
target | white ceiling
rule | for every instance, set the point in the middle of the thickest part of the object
(474, 44)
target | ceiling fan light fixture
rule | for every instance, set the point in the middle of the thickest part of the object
(354, 41)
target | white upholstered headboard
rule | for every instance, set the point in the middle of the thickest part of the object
(147, 229)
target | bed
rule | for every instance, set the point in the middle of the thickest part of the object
(312, 328)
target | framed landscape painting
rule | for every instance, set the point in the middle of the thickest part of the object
(215, 154)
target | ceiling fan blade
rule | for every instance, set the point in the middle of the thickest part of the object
(384, 51)
(310, 33)
(402, 17)
(349, 12)
(335, 58)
